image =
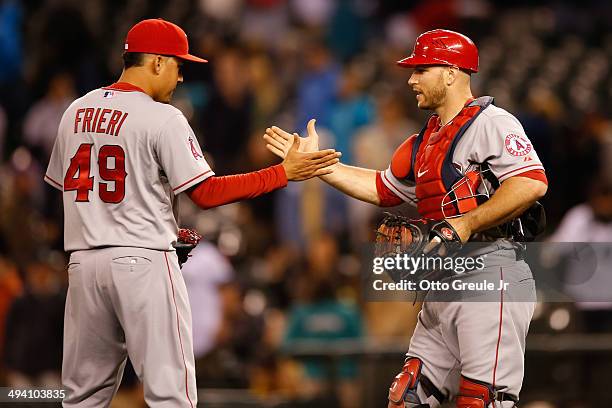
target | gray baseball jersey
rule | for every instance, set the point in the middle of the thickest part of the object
(497, 138)
(120, 159)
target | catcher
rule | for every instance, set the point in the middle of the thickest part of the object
(471, 172)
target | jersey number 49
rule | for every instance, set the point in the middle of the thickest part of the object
(77, 176)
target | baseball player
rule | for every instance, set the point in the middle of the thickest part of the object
(121, 157)
(469, 352)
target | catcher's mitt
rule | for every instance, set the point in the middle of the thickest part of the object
(187, 240)
(397, 234)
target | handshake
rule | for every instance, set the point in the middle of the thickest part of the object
(301, 156)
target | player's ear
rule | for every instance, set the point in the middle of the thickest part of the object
(158, 62)
(450, 75)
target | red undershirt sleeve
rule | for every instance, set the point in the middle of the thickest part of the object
(216, 191)
(386, 196)
(535, 175)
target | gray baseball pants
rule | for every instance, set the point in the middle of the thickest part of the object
(127, 302)
(482, 339)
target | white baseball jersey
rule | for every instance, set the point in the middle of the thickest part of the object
(496, 138)
(120, 158)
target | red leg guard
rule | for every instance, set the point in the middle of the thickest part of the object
(473, 395)
(403, 388)
(469, 402)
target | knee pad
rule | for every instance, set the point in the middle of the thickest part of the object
(477, 394)
(403, 390)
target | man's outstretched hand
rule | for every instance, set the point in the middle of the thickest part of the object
(279, 141)
(356, 182)
(301, 165)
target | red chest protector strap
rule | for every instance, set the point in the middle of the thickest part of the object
(431, 161)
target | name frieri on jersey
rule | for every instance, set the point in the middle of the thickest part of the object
(98, 120)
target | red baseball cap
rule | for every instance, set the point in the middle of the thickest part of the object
(158, 36)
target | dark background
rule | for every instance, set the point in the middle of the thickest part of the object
(284, 268)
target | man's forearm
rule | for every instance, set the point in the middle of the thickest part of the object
(357, 182)
(514, 196)
(221, 190)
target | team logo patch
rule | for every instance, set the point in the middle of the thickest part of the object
(448, 234)
(108, 94)
(194, 151)
(517, 145)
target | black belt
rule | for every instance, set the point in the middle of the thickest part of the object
(520, 249)
(430, 389)
(504, 396)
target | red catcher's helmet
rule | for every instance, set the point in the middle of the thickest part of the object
(443, 47)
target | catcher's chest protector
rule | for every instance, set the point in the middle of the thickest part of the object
(432, 162)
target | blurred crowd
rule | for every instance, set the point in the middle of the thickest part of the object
(283, 268)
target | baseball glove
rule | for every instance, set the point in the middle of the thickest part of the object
(187, 240)
(397, 234)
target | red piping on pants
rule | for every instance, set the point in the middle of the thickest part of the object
(178, 329)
